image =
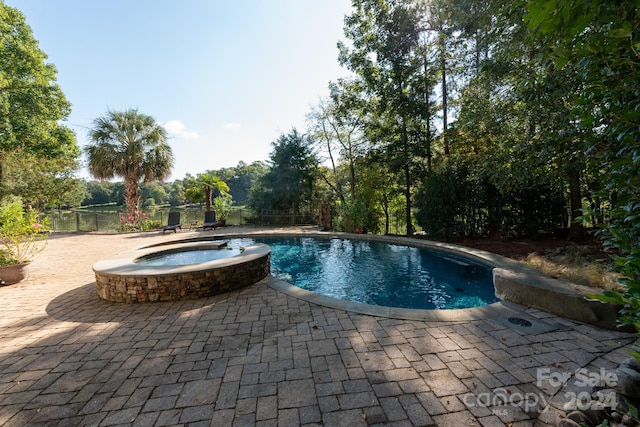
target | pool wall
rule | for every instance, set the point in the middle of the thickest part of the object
(123, 280)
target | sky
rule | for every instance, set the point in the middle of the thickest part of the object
(225, 78)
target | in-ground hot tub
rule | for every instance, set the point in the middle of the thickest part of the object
(180, 271)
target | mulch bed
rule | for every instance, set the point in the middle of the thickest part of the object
(519, 249)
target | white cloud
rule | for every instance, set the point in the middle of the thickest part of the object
(232, 126)
(177, 128)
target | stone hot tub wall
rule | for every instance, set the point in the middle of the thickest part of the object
(122, 280)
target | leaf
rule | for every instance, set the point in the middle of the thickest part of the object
(619, 33)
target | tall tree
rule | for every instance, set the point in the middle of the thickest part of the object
(43, 182)
(337, 130)
(241, 178)
(289, 183)
(602, 40)
(385, 55)
(31, 102)
(131, 145)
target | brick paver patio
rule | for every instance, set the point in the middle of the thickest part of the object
(259, 357)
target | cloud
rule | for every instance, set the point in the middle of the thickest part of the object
(232, 126)
(177, 128)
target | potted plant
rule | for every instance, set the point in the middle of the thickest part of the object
(21, 237)
(222, 206)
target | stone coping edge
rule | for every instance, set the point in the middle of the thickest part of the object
(124, 264)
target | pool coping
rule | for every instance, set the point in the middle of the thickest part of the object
(517, 285)
(123, 280)
(124, 263)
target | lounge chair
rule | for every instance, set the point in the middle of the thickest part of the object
(210, 220)
(173, 222)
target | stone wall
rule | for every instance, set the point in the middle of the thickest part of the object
(181, 286)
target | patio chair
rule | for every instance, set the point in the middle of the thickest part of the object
(173, 222)
(209, 220)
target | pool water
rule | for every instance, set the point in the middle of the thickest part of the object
(187, 257)
(379, 273)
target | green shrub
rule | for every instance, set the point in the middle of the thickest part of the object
(21, 235)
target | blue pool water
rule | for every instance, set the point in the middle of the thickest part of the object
(379, 273)
(187, 257)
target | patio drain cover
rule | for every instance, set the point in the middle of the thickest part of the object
(519, 321)
(525, 324)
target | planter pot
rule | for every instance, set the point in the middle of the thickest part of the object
(11, 274)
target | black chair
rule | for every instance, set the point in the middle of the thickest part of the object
(209, 220)
(173, 222)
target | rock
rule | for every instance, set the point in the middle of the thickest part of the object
(631, 363)
(597, 414)
(608, 398)
(580, 418)
(628, 383)
(628, 420)
(566, 422)
(616, 417)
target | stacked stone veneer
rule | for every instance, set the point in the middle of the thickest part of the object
(179, 285)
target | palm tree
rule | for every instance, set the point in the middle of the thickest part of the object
(130, 145)
(205, 184)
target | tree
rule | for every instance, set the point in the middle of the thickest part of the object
(98, 193)
(385, 54)
(153, 193)
(204, 186)
(241, 178)
(289, 183)
(601, 40)
(130, 145)
(336, 126)
(31, 102)
(42, 182)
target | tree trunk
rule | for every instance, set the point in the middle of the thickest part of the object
(131, 195)
(443, 53)
(427, 112)
(576, 230)
(352, 178)
(407, 194)
(407, 175)
(207, 198)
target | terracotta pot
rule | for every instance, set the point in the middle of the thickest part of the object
(11, 274)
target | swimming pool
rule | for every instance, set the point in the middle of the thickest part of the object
(379, 273)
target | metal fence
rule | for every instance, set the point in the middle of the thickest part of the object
(273, 217)
(95, 220)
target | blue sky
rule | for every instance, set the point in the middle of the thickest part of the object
(225, 78)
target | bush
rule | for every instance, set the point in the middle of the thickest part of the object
(140, 221)
(441, 202)
(453, 203)
(354, 216)
(21, 235)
